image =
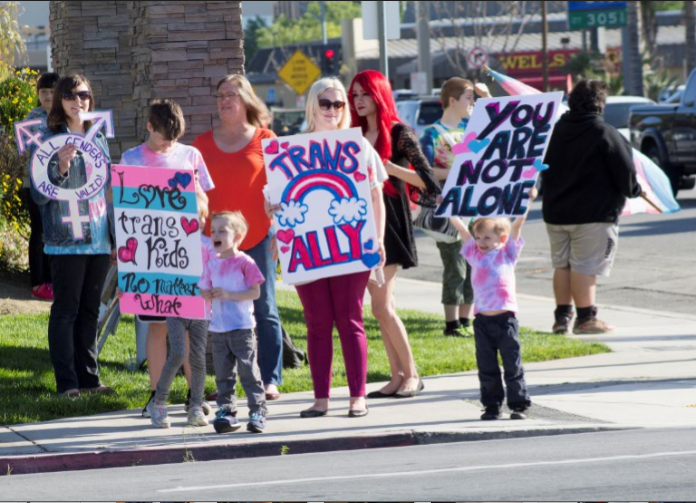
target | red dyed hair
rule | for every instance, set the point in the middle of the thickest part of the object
(378, 87)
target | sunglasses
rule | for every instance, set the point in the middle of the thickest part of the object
(327, 104)
(83, 95)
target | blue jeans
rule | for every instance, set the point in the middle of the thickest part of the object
(266, 313)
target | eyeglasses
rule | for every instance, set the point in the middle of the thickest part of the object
(83, 95)
(227, 96)
(325, 104)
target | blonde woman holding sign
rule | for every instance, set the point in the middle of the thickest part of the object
(338, 300)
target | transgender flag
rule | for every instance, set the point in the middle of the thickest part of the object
(658, 197)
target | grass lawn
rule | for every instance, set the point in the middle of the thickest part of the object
(27, 385)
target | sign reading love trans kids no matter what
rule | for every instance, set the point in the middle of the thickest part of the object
(325, 226)
(159, 241)
(501, 156)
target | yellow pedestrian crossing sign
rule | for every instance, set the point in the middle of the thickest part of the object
(299, 72)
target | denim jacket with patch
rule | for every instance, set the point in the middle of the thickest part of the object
(100, 231)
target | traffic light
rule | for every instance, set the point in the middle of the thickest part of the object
(329, 62)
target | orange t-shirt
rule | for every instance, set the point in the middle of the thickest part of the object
(239, 179)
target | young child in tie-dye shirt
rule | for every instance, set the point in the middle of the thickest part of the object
(231, 280)
(492, 252)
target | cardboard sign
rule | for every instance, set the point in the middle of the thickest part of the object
(500, 157)
(159, 241)
(326, 225)
(26, 134)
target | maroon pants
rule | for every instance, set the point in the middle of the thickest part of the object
(336, 300)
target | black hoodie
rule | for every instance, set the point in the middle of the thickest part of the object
(591, 172)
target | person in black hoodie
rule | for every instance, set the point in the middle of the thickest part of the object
(590, 175)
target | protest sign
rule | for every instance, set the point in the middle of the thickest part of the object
(159, 241)
(325, 226)
(27, 133)
(501, 156)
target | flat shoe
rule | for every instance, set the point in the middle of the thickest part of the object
(313, 413)
(411, 394)
(379, 394)
(358, 413)
(272, 396)
(101, 390)
(71, 393)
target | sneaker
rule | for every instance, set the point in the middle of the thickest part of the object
(518, 413)
(158, 414)
(453, 332)
(226, 422)
(196, 417)
(562, 324)
(257, 422)
(206, 406)
(590, 326)
(490, 413)
(43, 292)
(145, 412)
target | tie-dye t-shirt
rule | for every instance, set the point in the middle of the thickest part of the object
(180, 157)
(437, 150)
(234, 274)
(493, 275)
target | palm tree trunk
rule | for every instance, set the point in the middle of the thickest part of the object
(634, 73)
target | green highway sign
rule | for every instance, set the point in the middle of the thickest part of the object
(611, 18)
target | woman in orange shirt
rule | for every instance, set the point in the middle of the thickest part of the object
(233, 155)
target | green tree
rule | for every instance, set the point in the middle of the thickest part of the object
(12, 46)
(251, 39)
(285, 31)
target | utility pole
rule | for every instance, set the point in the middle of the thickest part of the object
(324, 38)
(382, 31)
(633, 75)
(690, 21)
(544, 47)
(423, 35)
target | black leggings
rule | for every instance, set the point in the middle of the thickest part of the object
(39, 262)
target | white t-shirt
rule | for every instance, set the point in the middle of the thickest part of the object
(180, 157)
(375, 166)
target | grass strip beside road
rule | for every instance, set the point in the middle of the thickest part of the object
(27, 385)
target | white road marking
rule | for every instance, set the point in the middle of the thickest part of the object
(428, 472)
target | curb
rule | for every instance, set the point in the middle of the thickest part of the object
(45, 463)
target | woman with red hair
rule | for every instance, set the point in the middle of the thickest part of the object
(372, 108)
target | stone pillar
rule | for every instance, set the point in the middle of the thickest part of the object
(135, 51)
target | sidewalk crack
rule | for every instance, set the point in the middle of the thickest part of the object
(42, 448)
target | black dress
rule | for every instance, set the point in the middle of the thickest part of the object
(399, 244)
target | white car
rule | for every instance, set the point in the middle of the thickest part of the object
(419, 113)
(618, 108)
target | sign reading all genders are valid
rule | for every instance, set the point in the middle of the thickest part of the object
(500, 157)
(325, 226)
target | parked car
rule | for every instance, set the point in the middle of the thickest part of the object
(617, 110)
(287, 121)
(419, 113)
(667, 134)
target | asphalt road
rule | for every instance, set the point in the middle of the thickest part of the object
(655, 267)
(636, 465)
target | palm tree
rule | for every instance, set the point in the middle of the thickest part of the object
(634, 75)
(12, 46)
(690, 21)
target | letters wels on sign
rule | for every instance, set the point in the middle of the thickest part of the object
(505, 143)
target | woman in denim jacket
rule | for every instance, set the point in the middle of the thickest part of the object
(79, 260)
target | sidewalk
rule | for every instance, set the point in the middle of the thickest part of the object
(648, 381)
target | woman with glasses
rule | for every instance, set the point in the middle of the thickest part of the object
(373, 109)
(338, 300)
(80, 251)
(232, 152)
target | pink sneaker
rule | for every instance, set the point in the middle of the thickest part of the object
(43, 292)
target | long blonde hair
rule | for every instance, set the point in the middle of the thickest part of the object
(315, 91)
(257, 112)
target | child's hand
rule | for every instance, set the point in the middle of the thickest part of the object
(220, 294)
(482, 90)
(207, 294)
(119, 293)
(533, 194)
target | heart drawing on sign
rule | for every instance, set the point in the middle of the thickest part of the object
(189, 226)
(370, 259)
(285, 235)
(540, 166)
(463, 147)
(284, 249)
(127, 253)
(182, 179)
(359, 177)
(369, 244)
(477, 146)
(529, 173)
(285, 145)
(272, 148)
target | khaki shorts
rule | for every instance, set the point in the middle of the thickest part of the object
(585, 248)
